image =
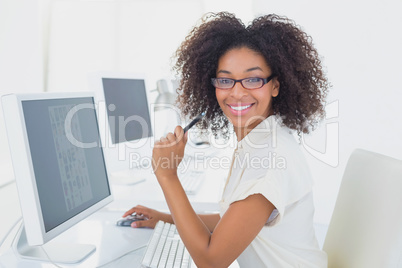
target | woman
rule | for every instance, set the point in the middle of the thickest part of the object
(265, 80)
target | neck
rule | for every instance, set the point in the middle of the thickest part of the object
(242, 132)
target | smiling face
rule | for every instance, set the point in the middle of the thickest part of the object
(245, 108)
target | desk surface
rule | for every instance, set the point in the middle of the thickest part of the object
(115, 246)
(100, 230)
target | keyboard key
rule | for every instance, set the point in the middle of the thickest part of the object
(160, 247)
(165, 253)
(172, 253)
(179, 255)
(166, 249)
(152, 244)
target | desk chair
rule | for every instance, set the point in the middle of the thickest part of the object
(366, 226)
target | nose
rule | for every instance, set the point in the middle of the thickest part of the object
(238, 91)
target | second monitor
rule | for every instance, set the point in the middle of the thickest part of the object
(125, 124)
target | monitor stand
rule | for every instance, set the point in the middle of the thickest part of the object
(53, 252)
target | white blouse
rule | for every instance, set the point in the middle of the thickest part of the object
(268, 161)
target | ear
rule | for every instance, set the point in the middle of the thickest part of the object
(275, 87)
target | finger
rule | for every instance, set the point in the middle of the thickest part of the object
(162, 144)
(137, 209)
(145, 223)
(159, 144)
(171, 137)
(179, 132)
(129, 212)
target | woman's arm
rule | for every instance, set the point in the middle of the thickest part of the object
(234, 231)
(210, 220)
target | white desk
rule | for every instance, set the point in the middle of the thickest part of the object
(100, 230)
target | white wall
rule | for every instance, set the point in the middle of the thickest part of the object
(361, 42)
(131, 36)
(21, 66)
(134, 36)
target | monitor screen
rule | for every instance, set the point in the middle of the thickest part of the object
(66, 156)
(59, 169)
(127, 109)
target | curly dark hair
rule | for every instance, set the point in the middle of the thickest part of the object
(288, 51)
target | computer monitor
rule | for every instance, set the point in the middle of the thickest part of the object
(59, 168)
(125, 123)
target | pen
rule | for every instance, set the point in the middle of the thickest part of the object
(195, 121)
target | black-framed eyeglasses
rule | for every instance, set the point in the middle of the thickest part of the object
(248, 83)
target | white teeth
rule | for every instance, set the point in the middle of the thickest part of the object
(240, 108)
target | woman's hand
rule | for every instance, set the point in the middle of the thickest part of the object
(153, 217)
(168, 153)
